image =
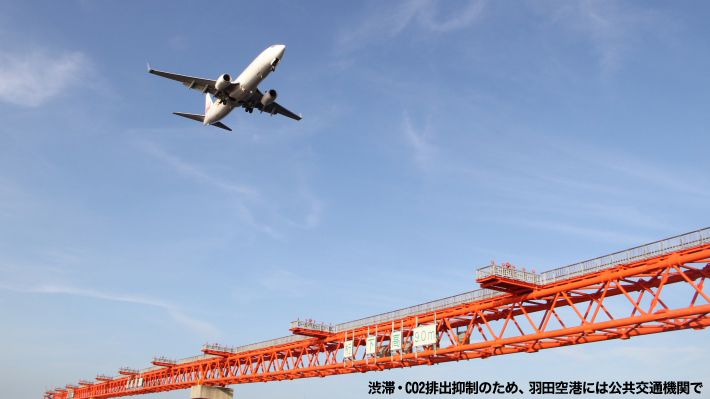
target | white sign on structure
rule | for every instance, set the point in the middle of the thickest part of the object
(371, 345)
(424, 335)
(348, 349)
(396, 341)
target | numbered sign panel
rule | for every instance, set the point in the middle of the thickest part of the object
(348, 349)
(425, 335)
(396, 341)
(371, 345)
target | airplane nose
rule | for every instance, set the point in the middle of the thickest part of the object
(280, 48)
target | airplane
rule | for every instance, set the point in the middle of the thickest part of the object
(241, 92)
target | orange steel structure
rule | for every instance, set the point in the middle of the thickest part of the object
(650, 289)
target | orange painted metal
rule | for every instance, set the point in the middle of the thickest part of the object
(310, 333)
(507, 285)
(659, 294)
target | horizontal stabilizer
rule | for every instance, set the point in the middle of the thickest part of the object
(201, 118)
(221, 125)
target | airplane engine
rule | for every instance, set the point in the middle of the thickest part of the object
(223, 82)
(268, 97)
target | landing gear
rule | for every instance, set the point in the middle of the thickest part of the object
(224, 98)
(248, 109)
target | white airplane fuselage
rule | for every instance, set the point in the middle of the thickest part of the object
(245, 84)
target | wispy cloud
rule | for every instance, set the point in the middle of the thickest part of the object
(391, 20)
(562, 180)
(178, 315)
(273, 280)
(314, 209)
(250, 204)
(569, 229)
(32, 77)
(639, 170)
(67, 290)
(420, 141)
(312, 219)
(285, 281)
(610, 28)
(193, 171)
(12, 198)
(459, 19)
(200, 327)
(239, 193)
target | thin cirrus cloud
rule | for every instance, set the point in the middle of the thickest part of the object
(425, 152)
(13, 200)
(610, 26)
(240, 193)
(249, 204)
(194, 172)
(390, 22)
(33, 77)
(197, 326)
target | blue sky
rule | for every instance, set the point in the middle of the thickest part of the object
(436, 136)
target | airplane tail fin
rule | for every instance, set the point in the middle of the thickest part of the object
(208, 102)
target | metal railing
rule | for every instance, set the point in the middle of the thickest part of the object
(432, 306)
(128, 370)
(104, 376)
(163, 359)
(272, 342)
(668, 245)
(677, 243)
(662, 247)
(86, 382)
(218, 348)
(152, 368)
(507, 272)
(195, 358)
(312, 326)
(258, 345)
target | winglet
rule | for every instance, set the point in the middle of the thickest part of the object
(149, 68)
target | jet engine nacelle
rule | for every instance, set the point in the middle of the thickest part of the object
(268, 97)
(223, 82)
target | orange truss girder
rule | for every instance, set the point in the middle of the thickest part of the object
(576, 311)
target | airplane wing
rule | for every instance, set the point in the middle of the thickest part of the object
(273, 108)
(203, 85)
